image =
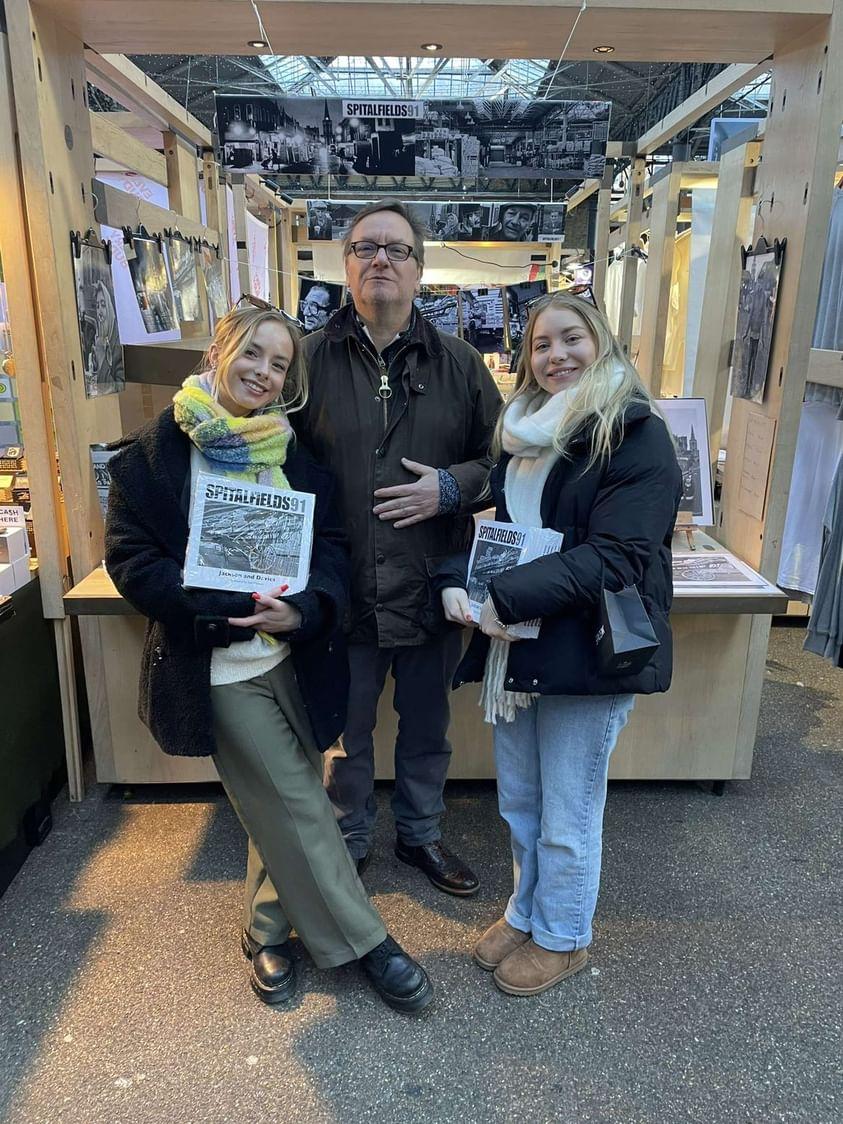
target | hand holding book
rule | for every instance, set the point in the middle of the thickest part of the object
(272, 615)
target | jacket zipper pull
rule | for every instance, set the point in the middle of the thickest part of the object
(384, 390)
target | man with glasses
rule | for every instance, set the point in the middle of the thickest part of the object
(403, 414)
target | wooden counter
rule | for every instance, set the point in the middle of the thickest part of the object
(704, 728)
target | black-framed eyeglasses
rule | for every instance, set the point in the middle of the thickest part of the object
(265, 306)
(395, 251)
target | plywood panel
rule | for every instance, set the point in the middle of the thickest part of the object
(644, 30)
(660, 251)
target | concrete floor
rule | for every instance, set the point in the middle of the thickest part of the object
(713, 994)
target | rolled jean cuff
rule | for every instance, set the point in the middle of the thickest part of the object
(555, 943)
(513, 918)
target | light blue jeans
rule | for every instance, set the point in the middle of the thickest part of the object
(552, 763)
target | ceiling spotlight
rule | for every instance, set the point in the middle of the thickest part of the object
(604, 50)
(257, 43)
(431, 46)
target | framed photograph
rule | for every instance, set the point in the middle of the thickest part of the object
(714, 570)
(513, 221)
(756, 318)
(99, 334)
(481, 312)
(151, 283)
(317, 301)
(688, 424)
(439, 306)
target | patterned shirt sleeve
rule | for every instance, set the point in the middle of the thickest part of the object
(449, 493)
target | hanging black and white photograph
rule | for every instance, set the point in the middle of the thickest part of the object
(551, 222)
(329, 220)
(686, 418)
(317, 301)
(502, 138)
(185, 278)
(99, 334)
(513, 222)
(439, 306)
(483, 319)
(519, 298)
(444, 222)
(756, 320)
(212, 272)
(152, 285)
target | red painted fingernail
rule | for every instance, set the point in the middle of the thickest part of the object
(284, 588)
(256, 597)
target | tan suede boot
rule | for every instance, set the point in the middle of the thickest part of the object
(497, 943)
(531, 969)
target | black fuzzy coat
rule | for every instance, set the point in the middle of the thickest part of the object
(617, 520)
(145, 545)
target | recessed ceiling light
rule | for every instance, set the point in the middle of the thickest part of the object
(604, 50)
(431, 46)
(259, 43)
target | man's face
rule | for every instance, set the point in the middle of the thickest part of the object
(379, 286)
(516, 222)
(315, 309)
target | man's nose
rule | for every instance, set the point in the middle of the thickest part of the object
(381, 255)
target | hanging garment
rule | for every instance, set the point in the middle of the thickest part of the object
(828, 328)
(819, 446)
(825, 628)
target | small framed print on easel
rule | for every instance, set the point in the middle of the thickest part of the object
(689, 425)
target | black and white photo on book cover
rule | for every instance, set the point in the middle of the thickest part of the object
(211, 264)
(503, 138)
(687, 420)
(498, 547)
(99, 334)
(248, 537)
(185, 277)
(152, 285)
(713, 570)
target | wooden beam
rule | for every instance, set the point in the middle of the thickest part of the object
(118, 208)
(795, 181)
(241, 233)
(601, 235)
(586, 189)
(114, 143)
(182, 177)
(287, 263)
(128, 84)
(660, 251)
(632, 239)
(730, 230)
(721, 86)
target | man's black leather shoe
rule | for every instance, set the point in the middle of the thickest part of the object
(397, 978)
(362, 863)
(444, 869)
(273, 976)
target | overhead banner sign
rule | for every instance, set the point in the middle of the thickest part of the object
(514, 220)
(502, 138)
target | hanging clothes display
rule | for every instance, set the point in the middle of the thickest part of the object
(825, 628)
(819, 446)
(828, 328)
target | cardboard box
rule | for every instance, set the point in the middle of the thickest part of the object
(13, 544)
(21, 573)
(7, 579)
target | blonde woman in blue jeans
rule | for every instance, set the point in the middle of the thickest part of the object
(580, 449)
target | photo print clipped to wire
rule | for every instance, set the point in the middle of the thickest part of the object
(213, 275)
(96, 310)
(150, 280)
(760, 274)
(181, 255)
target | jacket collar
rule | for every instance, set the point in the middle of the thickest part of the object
(343, 324)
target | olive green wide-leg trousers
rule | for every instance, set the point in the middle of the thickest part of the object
(299, 873)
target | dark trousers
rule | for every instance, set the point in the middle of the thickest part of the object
(422, 677)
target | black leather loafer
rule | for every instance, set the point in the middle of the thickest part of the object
(273, 975)
(363, 863)
(397, 978)
(444, 869)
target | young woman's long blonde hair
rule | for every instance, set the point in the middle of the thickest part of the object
(603, 392)
(235, 332)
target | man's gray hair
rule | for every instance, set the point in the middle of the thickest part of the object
(397, 207)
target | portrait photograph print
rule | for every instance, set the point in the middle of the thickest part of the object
(151, 283)
(756, 320)
(317, 301)
(99, 335)
(686, 418)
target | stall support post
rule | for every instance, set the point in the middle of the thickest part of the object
(56, 165)
(287, 262)
(664, 209)
(632, 239)
(241, 230)
(601, 235)
(794, 186)
(730, 230)
(215, 210)
(182, 177)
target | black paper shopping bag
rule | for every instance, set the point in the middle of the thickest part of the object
(625, 640)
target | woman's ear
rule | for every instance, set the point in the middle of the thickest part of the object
(213, 354)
